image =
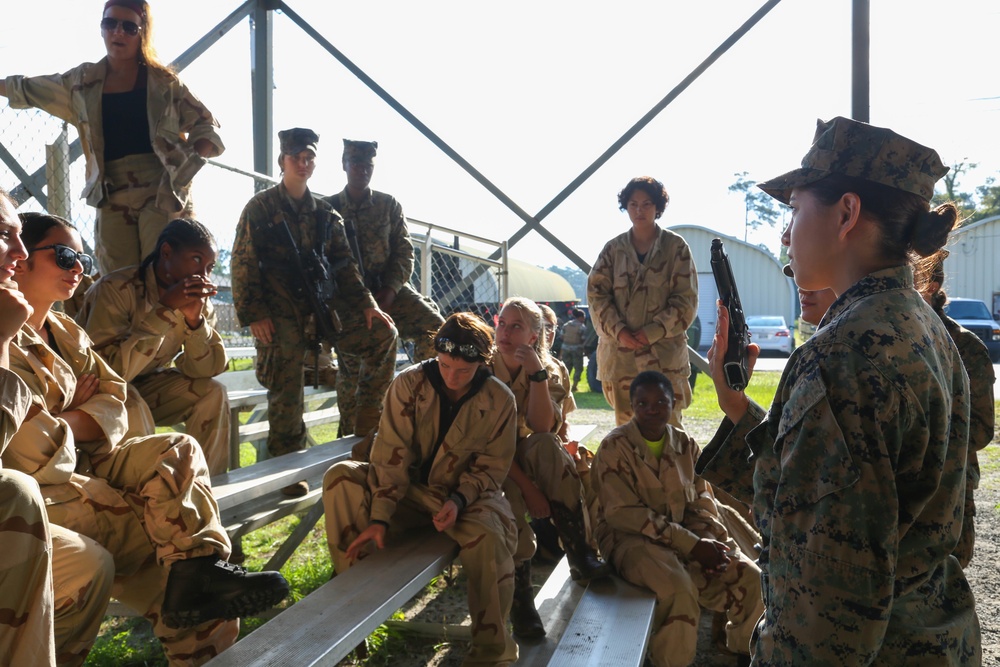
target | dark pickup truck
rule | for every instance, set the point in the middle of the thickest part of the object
(975, 316)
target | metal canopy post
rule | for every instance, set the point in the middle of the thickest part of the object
(860, 61)
(262, 83)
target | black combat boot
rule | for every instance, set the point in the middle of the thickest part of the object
(207, 588)
(523, 615)
(584, 563)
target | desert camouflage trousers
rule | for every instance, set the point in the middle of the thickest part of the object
(26, 601)
(681, 589)
(129, 222)
(201, 404)
(58, 582)
(366, 360)
(616, 393)
(150, 504)
(484, 532)
(547, 463)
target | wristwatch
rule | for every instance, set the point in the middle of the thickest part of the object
(540, 376)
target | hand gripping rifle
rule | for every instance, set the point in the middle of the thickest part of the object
(318, 286)
(735, 362)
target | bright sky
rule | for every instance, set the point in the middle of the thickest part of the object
(531, 93)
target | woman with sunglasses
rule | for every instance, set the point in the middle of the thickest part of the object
(153, 323)
(857, 471)
(144, 134)
(440, 455)
(146, 500)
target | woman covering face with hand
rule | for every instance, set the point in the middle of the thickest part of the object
(154, 325)
(857, 472)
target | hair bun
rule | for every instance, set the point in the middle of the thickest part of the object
(930, 232)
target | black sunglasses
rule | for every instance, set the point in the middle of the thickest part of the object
(66, 257)
(130, 28)
(467, 351)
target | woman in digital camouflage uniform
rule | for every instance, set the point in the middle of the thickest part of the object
(857, 472)
(144, 134)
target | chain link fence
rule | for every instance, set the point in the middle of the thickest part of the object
(41, 166)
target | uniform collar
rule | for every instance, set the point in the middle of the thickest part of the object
(886, 280)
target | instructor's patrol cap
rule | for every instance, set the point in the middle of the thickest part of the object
(359, 150)
(297, 139)
(877, 154)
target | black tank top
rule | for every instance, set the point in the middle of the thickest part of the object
(126, 128)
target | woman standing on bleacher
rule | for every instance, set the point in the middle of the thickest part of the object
(144, 134)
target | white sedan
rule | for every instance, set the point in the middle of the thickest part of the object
(771, 333)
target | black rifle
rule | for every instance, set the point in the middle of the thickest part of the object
(735, 362)
(318, 287)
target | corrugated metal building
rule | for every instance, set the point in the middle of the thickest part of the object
(763, 288)
(972, 270)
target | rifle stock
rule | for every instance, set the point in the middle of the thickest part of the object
(735, 363)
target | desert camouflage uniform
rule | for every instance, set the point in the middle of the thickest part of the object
(976, 359)
(135, 196)
(651, 514)
(410, 477)
(43, 627)
(147, 500)
(541, 456)
(387, 258)
(658, 296)
(26, 601)
(857, 475)
(572, 347)
(273, 291)
(141, 339)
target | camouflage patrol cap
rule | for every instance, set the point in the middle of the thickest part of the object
(877, 154)
(297, 139)
(359, 150)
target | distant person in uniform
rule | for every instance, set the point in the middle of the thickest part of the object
(439, 458)
(857, 472)
(643, 296)
(659, 525)
(269, 293)
(154, 324)
(571, 353)
(375, 222)
(144, 134)
(976, 359)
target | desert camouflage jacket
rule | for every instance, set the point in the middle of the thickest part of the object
(257, 293)
(857, 478)
(383, 238)
(473, 456)
(14, 402)
(180, 120)
(663, 499)
(137, 335)
(44, 446)
(658, 296)
(521, 385)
